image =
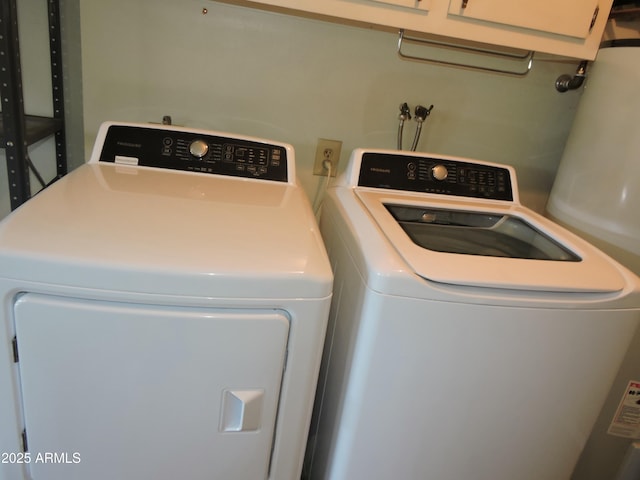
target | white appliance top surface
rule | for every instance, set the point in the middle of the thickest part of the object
(130, 228)
(588, 271)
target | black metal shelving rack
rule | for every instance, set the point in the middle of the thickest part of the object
(18, 130)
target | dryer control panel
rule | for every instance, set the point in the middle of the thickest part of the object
(195, 151)
(435, 174)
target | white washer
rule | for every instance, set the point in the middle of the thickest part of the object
(469, 337)
(163, 313)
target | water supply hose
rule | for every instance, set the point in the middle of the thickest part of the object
(421, 115)
(405, 114)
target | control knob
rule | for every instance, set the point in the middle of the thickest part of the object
(439, 172)
(198, 148)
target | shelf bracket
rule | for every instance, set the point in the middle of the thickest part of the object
(17, 130)
(57, 87)
(13, 119)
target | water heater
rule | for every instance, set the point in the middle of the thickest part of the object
(597, 187)
(597, 194)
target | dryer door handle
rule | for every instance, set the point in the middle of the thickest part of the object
(241, 410)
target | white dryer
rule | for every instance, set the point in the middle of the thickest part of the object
(163, 313)
(469, 337)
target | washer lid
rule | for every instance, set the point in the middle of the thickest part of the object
(169, 232)
(487, 244)
(467, 232)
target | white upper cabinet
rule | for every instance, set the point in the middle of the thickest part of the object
(571, 28)
(417, 4)
(573, 18)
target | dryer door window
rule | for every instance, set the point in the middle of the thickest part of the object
(138, 391)
(477, 233)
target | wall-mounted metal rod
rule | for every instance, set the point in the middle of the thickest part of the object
(525, 58)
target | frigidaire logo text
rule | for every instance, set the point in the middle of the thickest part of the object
(128, 144)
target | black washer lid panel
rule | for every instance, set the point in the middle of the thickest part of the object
(477, 233)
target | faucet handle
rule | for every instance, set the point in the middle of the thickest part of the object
(422, 113)
(405, 111)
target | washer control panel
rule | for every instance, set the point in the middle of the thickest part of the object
(439, 175)
(194, 152)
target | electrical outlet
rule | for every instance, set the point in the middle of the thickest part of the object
(327, 150)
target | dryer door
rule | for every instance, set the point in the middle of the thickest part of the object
(116, 390)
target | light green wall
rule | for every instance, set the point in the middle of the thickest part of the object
(296, 79)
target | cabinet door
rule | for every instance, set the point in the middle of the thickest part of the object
(416, 4)
(573, 18)
(123, 391)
